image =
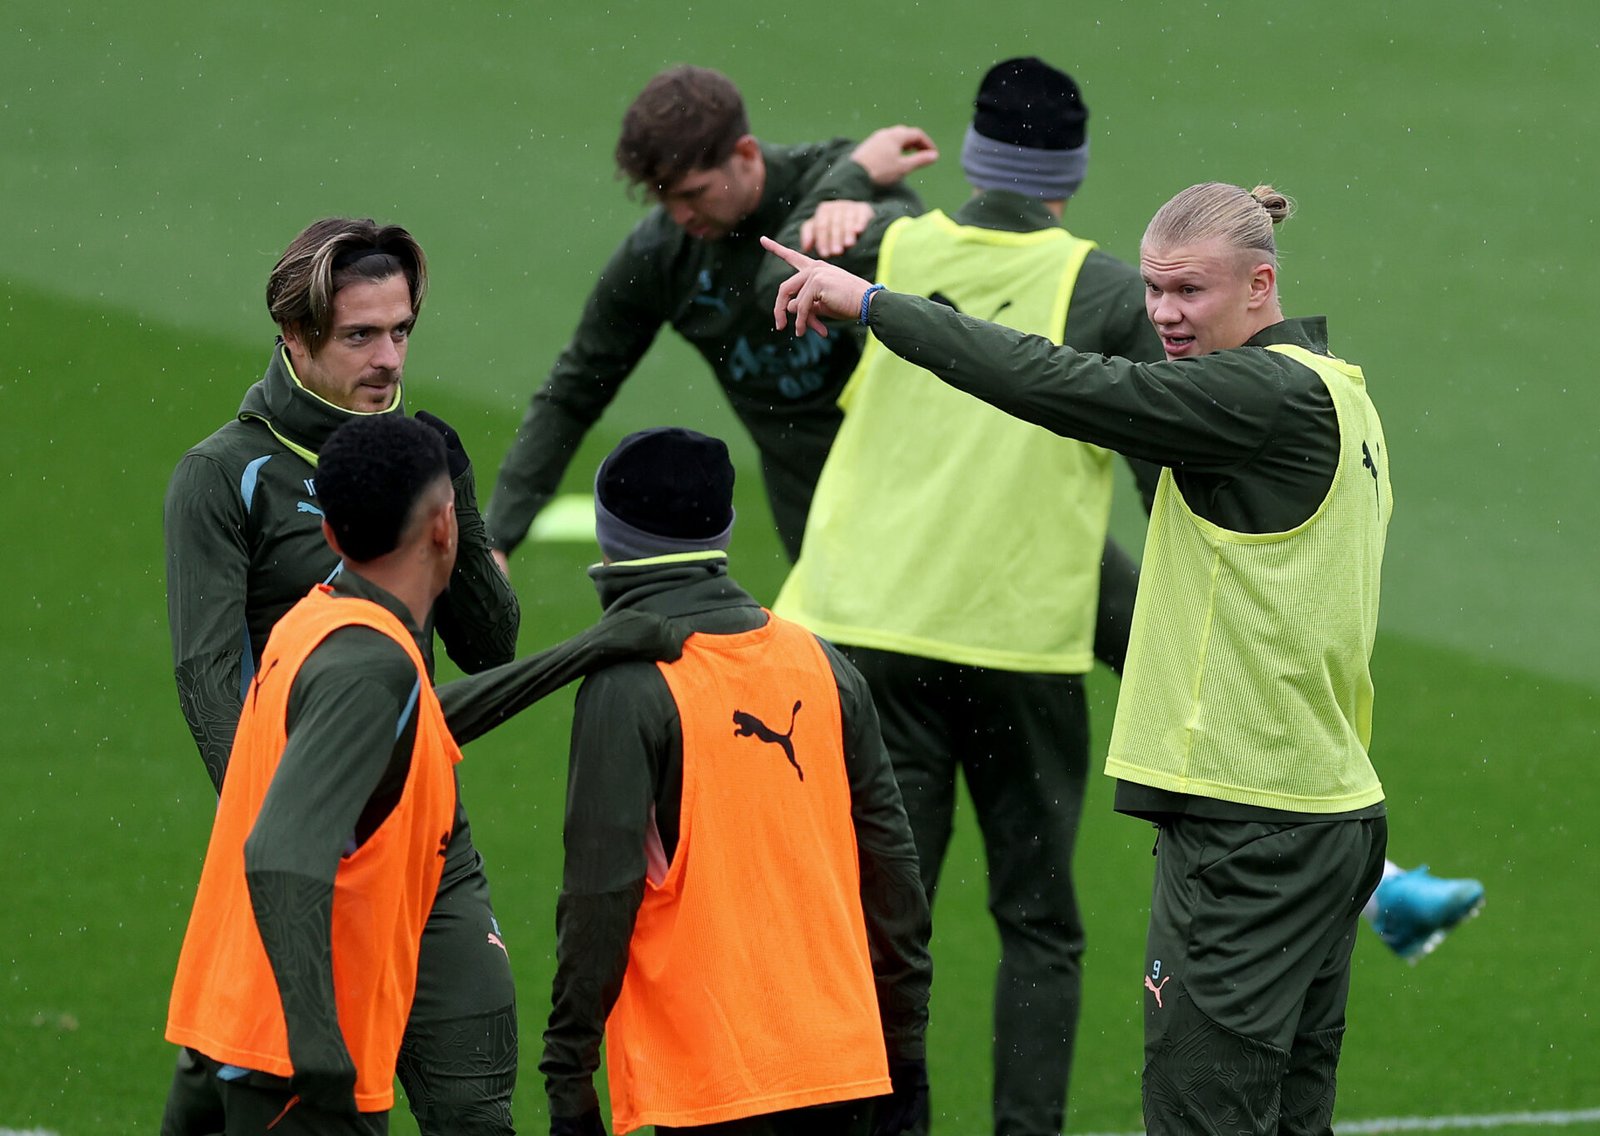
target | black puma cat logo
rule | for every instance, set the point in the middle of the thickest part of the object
(749, 726)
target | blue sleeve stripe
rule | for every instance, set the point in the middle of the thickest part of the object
(247, 483)
(411, 704)
(247, 662)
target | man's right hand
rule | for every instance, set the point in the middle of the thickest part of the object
(888, 155)
(817, 291)
(907, 1102)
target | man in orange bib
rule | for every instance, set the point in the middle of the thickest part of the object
(741, 913)
(299, 966)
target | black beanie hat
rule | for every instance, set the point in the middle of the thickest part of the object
(1027, 102)
(669, 482)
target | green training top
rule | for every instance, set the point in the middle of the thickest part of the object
(244, 543)
(718, 296)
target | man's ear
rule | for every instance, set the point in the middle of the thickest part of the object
(298, 347)
(748, 147)
(442, 529)
(1263, 282)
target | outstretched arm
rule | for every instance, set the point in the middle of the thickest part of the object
(835, 227)
(478, 703)
(847, 211)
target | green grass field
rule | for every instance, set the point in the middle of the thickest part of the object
(154, 161)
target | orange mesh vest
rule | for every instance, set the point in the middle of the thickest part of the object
(225, 1000)
(749, 987)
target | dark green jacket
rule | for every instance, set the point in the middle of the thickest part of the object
(627, 769)
(351, 730)
(1250, 435)
(718, 296)
(244, 543)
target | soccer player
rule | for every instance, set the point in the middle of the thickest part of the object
(693, 262)
(297, 972)
(1244, 719)
(953, 552)
(244, 543)
(741, 914)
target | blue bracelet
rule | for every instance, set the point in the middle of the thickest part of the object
(866, 301)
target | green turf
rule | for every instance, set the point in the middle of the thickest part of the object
(154, 160)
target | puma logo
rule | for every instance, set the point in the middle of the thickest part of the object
(1371, 465)
(749, 726)
(1155, 989)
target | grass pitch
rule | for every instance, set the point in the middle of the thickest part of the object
(153, 162)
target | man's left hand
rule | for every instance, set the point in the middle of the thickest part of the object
(888, 155)
(834, 227)
(817, 291)
(453, 449)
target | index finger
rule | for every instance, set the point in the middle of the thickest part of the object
(786, 254)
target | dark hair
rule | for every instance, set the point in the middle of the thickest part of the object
(685, 119)
(329, 254)
(371, 474)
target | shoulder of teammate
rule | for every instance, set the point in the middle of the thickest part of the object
(854, 695)
(630, 689)
(357, 667)
(204, 514)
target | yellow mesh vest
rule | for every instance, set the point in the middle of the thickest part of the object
(942, 527)
(1247, 677)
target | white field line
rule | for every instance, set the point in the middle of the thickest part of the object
(1379, 1127)
(1561, 1119)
